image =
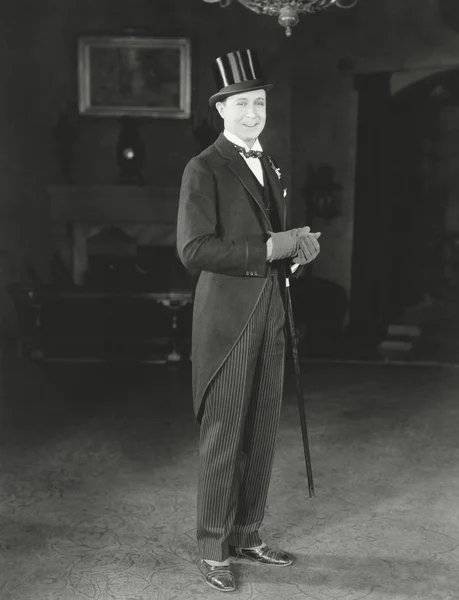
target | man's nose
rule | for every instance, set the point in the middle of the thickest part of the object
(251, 111)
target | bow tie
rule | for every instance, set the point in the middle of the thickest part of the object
(248, 153)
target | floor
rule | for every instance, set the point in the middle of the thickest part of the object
(98, 485)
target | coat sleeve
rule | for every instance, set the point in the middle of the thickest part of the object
(198, 244)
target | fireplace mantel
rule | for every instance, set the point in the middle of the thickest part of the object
(79, 211)
(120, 203)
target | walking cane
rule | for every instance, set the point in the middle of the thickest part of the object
(299, 390)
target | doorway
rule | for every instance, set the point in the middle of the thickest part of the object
(407, 213)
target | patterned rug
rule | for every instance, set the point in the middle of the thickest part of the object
(98, 486)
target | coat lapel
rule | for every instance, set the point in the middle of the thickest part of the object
(242, 172)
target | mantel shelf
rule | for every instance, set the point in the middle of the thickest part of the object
(116, 203)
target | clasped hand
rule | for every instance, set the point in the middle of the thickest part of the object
(299, 244)
(309, 246)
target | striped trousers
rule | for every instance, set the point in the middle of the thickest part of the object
(238, 431)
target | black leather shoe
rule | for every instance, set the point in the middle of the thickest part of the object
(264, 556)
(220, 578)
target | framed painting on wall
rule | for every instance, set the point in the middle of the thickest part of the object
(134, 76)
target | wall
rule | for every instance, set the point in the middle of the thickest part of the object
(329, 50)
(39, 65)
(313, 108)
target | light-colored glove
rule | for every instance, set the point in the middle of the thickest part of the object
(309, 246)
(283, 244)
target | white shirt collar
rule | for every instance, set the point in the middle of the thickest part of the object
(235, 140)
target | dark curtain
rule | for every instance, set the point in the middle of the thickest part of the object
(373, 212)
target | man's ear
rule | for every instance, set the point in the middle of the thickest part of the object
(219, 106)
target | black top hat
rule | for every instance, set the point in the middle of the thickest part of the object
(237, 72)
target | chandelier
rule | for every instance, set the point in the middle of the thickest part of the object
(287, 11)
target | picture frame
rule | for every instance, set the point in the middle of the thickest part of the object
(134, 76)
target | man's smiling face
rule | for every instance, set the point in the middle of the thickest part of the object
(244, 114)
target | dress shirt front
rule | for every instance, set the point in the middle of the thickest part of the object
(254, 164)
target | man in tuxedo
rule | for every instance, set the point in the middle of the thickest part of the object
(232, 229)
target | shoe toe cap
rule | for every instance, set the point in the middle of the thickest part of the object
(221, 581)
